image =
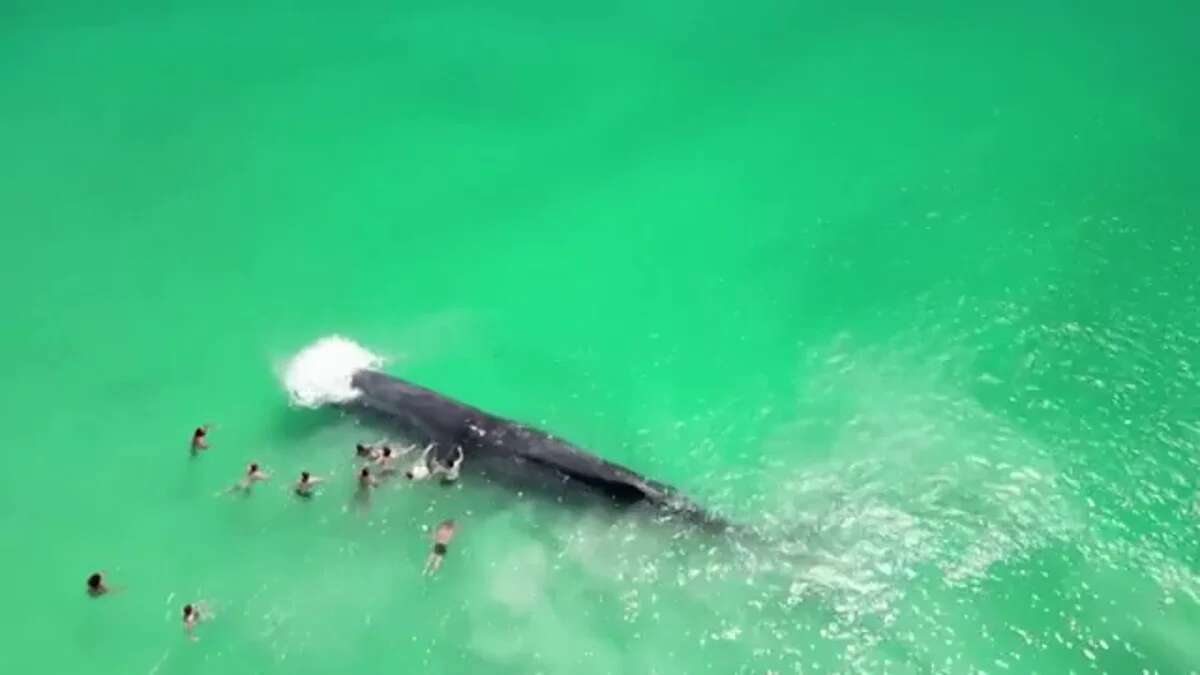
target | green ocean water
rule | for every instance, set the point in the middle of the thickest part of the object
(911, 288)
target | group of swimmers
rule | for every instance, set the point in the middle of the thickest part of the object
(385, 459)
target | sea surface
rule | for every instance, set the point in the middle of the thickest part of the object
(911, 289)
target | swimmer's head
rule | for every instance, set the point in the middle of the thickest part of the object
(253, 468)
(365, 473)
(93, 581)
(387, 452)
(188, 611)
(304, 476)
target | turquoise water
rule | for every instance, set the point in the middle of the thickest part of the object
(911, 289)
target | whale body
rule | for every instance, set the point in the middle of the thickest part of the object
(508, 452)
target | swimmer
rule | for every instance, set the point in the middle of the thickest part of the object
(191, 618)
(428, 468)
(304, 487)
(386, 461)
(420, 470)
(370, 451)
(366, 484)
(96, 586)
(253, 475)
(200, 439)
(367, 452)
(441, 540)
(450, 474)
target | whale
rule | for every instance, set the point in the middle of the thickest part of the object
(502, 451)
(508, 452)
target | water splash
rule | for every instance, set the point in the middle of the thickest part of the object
(321, 372)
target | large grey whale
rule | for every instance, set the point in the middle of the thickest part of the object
(509, 452)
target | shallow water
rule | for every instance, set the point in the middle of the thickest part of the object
(911, 290)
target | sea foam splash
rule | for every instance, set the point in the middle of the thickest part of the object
(321, 372)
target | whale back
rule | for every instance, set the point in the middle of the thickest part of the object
(509, 451)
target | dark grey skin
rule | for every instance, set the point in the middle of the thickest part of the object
(515, 455)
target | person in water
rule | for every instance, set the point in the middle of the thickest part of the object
(420, 469)
(306, 484)
(366, 483)
(191, 618)
(365, 480)
(441, 541)
(429, 468)
(254, 474)
(96, 586)
(200, 439)
(450, 473)
(386, 461)
(371, 451)
(367, 452)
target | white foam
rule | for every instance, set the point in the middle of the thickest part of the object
(321, 372)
